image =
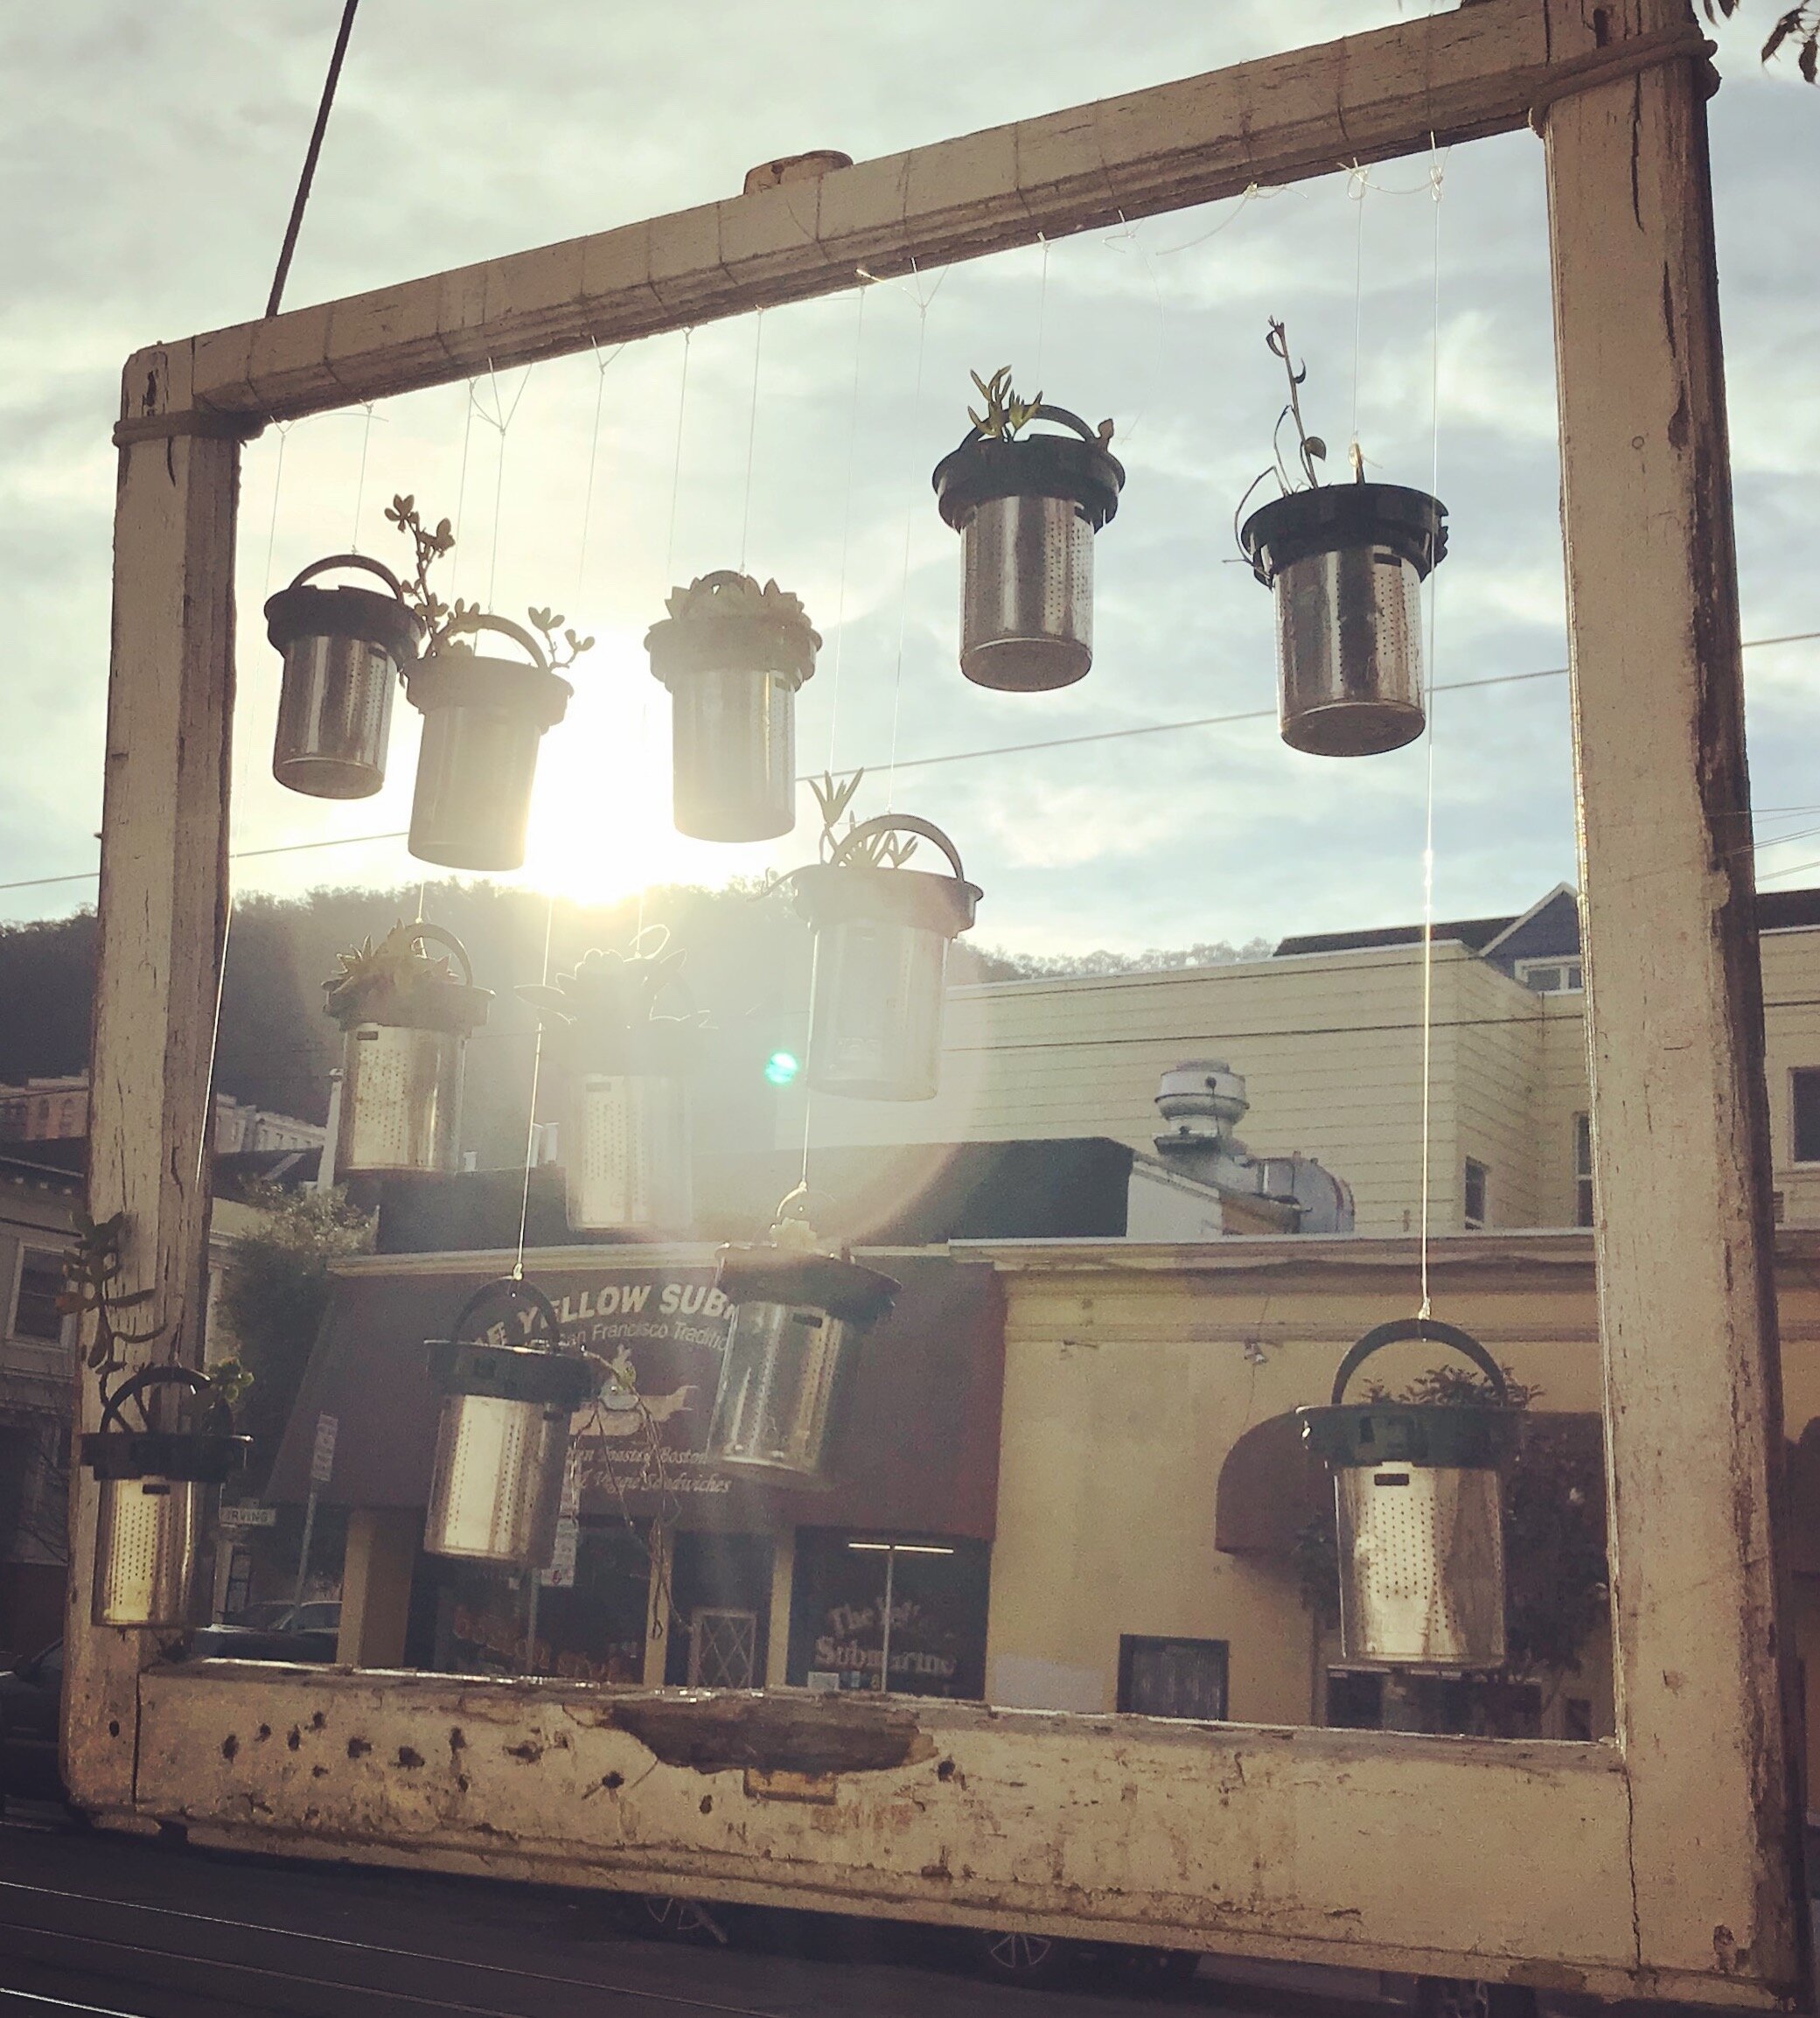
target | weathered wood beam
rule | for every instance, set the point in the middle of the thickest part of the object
(1280, 119)
(163, 921)
(1674, 1008)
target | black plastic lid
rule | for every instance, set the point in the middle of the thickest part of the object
(512, 1373)
(203, 1455)
(828, 1283)
(1357, 1435)
(1331, 516)
(344, 612)
(830, 894)
(1032, 466)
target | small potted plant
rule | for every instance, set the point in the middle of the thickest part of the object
(344, 651)
(626, 1140)
(1027, 507)
(800, 1308)
(166, 1437)
(1346, 563)
(484, 718)
(881, 936)
(733, 656)
(509, 1397)
(406, 1015)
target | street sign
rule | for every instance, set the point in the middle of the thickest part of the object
(321, 1459)
(249, 1516)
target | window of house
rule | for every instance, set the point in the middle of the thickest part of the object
(1172, 1677)
(1583, 1169)
(35, 1314)
(1551, 976)
(1478, 1185)
(1805, 1084)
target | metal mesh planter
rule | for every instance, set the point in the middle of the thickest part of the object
(1346, 563)
(627, 1156)
(798, 1314)
(502, 1436)
(1027, 510)
(733, 656)
(483, 720)
(344, 651)
(154, 1482)
(406, 1017)
(1418, 1514)
(882, 938)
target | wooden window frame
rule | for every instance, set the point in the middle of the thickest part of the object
(1674, 1869)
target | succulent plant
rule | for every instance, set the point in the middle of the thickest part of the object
(727, 594)
(877, 850)
(612, 991)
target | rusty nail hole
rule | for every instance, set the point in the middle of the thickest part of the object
(265, 1731)
(708, 1804)
(319, 1772)
(318, 1721)
(113, 1727)
(461, 1781)
(230, 1745)
(456, 1741)
(945, 1770)
(407, 1757)
(358, 1747)
(613, 1782)
(295, 1740)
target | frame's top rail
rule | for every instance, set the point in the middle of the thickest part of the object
(1456, 76)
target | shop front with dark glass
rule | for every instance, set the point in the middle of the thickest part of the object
(902, 1614)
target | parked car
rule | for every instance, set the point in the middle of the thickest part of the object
(274, 1631)
(30, 1702)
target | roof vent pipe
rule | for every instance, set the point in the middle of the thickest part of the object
(1202, 1102)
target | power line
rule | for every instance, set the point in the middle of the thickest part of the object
(998, 750)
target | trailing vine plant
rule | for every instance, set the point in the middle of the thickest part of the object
(92, 1271)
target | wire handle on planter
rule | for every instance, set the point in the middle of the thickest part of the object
(481, 620)
(1399, 1329)
(377, 568)
(133, 1389)
(898, 823)
(421, 932)
(515, 1290)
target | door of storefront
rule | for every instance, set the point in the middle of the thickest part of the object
(906, 1614)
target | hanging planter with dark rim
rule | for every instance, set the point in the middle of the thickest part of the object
(503, 1432)
(626, 1149)
(1418, 1513)
(881, 935)
(344, 651)
(1346, 563)
(153, 1481)
(406, 1016)
(483, 720)
(733, 656)
(799, 1313)
(1027, 507)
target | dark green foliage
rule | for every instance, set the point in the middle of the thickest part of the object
(275, 1292)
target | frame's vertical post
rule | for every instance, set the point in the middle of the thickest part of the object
(1681, 1138)
(163, 927)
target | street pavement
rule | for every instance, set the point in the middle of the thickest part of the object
(130, 1928)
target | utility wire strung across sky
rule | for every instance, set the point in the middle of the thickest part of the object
(976, 755)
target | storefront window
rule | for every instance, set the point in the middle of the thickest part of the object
(877, 1612)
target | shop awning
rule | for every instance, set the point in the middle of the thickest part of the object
(1269, 1490)
(915, 1444)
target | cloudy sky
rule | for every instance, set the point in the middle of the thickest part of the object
(150, 156)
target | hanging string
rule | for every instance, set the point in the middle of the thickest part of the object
(600, 395)
(1127, 235)
(664, 587)
(517, 1266)
(923, 304)
(271, 531)
(1426, 1308)
(745, 523)
(353, 538)
(1041, 307)
(1357, 183)
(853, 439)
(500, 420)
